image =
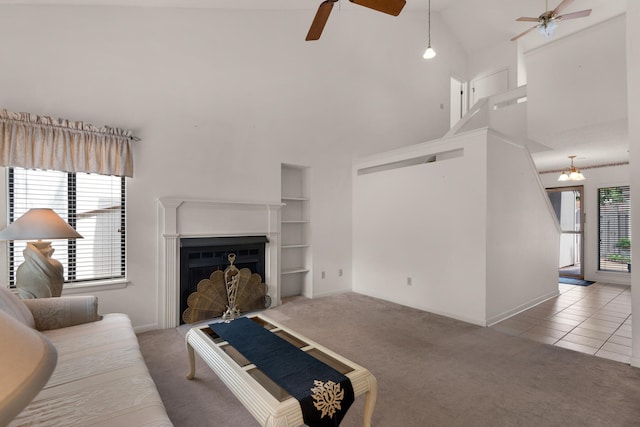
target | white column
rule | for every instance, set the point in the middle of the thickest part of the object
(168, 280)
(172, 283)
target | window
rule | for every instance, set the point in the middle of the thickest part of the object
(614, 229)
(92, 204)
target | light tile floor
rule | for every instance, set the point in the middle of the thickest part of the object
(593, 319)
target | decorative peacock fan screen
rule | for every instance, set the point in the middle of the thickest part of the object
(227, 293)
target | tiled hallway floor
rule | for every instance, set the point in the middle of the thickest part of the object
(593, 319)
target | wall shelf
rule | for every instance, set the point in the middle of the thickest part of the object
(296, 255)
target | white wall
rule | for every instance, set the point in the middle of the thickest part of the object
(581, 78)
(474, 233)
(522, 236)
(426, 222)
(500, 57)
(221, 98)
(521, 76)
(612, 176)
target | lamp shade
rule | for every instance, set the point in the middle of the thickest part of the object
(429, 53)
(39, 224)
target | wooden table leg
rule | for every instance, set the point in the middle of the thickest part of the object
(192, 362)
(369, 404)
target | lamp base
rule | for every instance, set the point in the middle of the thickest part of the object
(39, 276)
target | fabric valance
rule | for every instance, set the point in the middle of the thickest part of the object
(41, 142)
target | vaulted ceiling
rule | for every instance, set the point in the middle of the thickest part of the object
(481, 24)
(477, 24)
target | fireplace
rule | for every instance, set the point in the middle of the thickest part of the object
(180, 219)
(199, 257)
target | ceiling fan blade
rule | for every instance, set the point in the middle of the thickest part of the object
(392, 7)
(526, 32)
(319, 21)
(563, 4)
(527, 19)
(574, 15)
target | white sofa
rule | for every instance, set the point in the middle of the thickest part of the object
(99, 379)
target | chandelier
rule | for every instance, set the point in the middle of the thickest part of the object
(573, 175)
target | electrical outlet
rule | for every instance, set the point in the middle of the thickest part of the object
(322, 275)
(409, 281)
(340, 272)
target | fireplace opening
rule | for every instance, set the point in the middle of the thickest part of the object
(201, 256)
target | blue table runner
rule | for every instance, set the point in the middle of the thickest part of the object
(324, 394)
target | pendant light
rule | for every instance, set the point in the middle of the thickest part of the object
(429, 53)
(573, 175)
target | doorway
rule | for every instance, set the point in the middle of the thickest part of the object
(458, 100)
(567, 204)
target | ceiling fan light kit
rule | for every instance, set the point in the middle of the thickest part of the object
(390, 7)
(548, 30)
(573, 175)
(548, 21)
(429, 53)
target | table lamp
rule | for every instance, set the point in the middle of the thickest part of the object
(39, 276)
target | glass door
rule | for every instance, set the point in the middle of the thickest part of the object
(567, 204)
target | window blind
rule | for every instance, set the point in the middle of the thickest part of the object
(614, 229)
(93, 204)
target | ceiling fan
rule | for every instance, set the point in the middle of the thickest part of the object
(391, 7)
(550, 18)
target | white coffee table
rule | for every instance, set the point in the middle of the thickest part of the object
(269, 404)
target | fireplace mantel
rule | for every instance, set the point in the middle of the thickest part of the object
(183, 217)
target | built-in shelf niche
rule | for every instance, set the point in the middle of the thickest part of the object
(295, 221)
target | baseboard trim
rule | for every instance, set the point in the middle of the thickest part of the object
(522, 307)
(474, 321)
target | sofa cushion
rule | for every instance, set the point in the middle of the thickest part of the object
(14, 306)
(60, 312)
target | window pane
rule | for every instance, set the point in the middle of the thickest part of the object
(92, 204)
(36, 189)
(99, 221)
(614, 227)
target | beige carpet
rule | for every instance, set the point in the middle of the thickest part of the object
(431, 371)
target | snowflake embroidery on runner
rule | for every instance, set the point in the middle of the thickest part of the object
(327, 397)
